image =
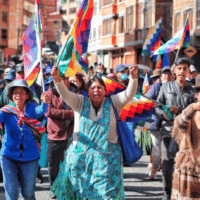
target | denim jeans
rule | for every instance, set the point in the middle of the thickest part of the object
(17, 173)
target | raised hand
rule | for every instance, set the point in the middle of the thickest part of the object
(55, 73)
(45, 98)
(133, 70)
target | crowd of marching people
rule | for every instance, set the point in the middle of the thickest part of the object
(70, 127)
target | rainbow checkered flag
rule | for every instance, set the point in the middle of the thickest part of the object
(181, 39)
(70, 59)
(139, 110)
(153, 40)
(32, 44)
(145, 86)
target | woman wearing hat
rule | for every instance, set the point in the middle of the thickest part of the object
(20, 152)
(186, 129)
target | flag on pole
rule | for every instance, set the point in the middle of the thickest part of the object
(70, 59)
(153, 39)
(139, 110)
(32, 44)
(145, 86)
(181, 39)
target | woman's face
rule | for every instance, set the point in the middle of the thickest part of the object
(20, 96)
(96, 92)
(75, 81)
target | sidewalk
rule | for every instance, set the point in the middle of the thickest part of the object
(136, 184)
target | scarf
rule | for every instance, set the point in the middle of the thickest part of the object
(36, 126)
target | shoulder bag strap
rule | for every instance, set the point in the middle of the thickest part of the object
(115, 111)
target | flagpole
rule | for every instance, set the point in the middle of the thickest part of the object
(177, 53)
(39, 47)
(68, 35)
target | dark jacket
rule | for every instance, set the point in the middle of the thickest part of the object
(140, 84)
(153, 94)
(172, 95)
(57, 116)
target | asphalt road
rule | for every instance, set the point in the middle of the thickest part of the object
(136, 184)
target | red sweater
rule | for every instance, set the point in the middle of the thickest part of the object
(56, 117)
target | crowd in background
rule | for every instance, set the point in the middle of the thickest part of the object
(176, 86)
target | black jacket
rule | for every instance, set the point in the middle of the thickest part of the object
(172, 95)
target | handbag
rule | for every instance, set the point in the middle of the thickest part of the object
(130, 149)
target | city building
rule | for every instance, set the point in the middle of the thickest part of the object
(4, 17)
(15, 18)
(124, 27)
(68, 9)
(180, 11)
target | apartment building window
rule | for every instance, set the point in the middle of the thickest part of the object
(94, 34)
(90, 36)
(56, 23)
(99, 32)
(63, 12)
(148, 14)
(4, 34)
(140, 15)
(107, 27)
(99, 5)
(95, 8)
(121, 24)
(177, 24)
(72, 10)
(129, 18)
(4, 16)
(190, 13)
(5, 2)
(107, 2)
(198, 14)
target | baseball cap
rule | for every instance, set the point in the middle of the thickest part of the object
(166, 68)
(120, 67)
(20, 67)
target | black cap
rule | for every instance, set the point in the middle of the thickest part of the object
(166, 68)
(20, 67)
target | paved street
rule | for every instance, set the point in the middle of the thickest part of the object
(136, 184)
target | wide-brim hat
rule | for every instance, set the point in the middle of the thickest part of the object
(156, 73)
(18, 83)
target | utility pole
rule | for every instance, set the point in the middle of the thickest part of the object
(143, 32)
